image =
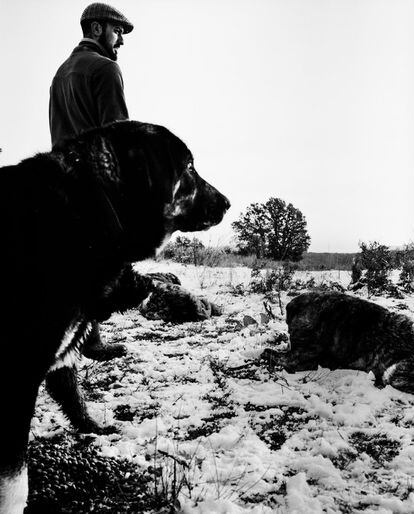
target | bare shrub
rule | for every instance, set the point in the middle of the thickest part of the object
(275, 280)
(405, 261)
(184, 250)
(372, 269)
(272, 282)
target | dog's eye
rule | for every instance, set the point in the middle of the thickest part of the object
(187, 182)
(190, 166)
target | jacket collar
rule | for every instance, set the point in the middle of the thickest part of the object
(87, 42)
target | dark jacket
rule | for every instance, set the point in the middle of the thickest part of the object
(87, 91)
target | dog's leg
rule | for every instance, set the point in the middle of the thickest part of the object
(62, 385)
(126, 292)
(14, 491)
(94, 348)
(17, 409)
(401, 375)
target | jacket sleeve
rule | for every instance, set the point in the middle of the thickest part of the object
(109, 90)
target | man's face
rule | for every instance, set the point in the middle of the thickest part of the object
(111, 39)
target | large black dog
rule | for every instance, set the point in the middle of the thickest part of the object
(70, 221)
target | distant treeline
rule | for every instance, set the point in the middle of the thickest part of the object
(325, 260)
(192, 251)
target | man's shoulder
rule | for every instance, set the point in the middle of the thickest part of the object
(88, 61)
(91, 54)
(105, 67)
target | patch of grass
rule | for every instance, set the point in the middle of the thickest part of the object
(269, 499)
(344, 458)
(276, 431)
(345, 507)
(124, 413)
(95, 381)
(128, 413)
(238, 290)
(223, 407)
(175, 476)
(378, 446)
(210, 425)
(251, 407)
(400, 490)
(249, 371)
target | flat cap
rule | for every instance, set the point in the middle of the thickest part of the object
(98, 11)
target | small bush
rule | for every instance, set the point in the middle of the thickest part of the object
(405, 261)
(184, 250)
(377, 260)
(407, 276)
(276, 280)
(192, 251)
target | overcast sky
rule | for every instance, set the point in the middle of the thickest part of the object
(311, 101)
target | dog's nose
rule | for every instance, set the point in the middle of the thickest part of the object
(226, 203)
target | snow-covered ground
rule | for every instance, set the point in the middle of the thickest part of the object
(249, 439)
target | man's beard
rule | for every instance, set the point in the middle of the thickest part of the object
(104, 42)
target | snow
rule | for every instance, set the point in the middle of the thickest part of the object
(253, 440)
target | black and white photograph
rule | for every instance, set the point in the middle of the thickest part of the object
(207, 261)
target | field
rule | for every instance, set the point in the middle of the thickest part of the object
(206, 426)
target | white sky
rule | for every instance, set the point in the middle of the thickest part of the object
(311, 101)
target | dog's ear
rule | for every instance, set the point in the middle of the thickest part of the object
(140, 165)
(103, 160)
(152, 168)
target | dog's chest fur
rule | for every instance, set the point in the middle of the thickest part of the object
(72, 342)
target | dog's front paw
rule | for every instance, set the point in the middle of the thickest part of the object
(104, 351)
(92, 427)
(107, 430)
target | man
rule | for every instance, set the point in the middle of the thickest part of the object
(87, 92)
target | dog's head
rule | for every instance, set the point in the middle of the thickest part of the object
(160, 187)
(151, 188)
(195, 204)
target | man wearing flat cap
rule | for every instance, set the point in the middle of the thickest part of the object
(88, 92)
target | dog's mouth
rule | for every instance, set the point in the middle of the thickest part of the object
(214, 220)
(221, 206)
(301, 360)
(207, 222)
(190, 218)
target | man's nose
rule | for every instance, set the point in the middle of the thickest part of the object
(120, 40)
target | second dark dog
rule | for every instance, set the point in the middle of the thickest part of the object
(336, 330)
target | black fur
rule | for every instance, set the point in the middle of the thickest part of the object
(62, 385)
(70, 221)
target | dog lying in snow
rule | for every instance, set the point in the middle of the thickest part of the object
(70, 221)
(336, 330)
(171, 302)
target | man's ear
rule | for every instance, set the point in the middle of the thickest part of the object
(96, 28)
